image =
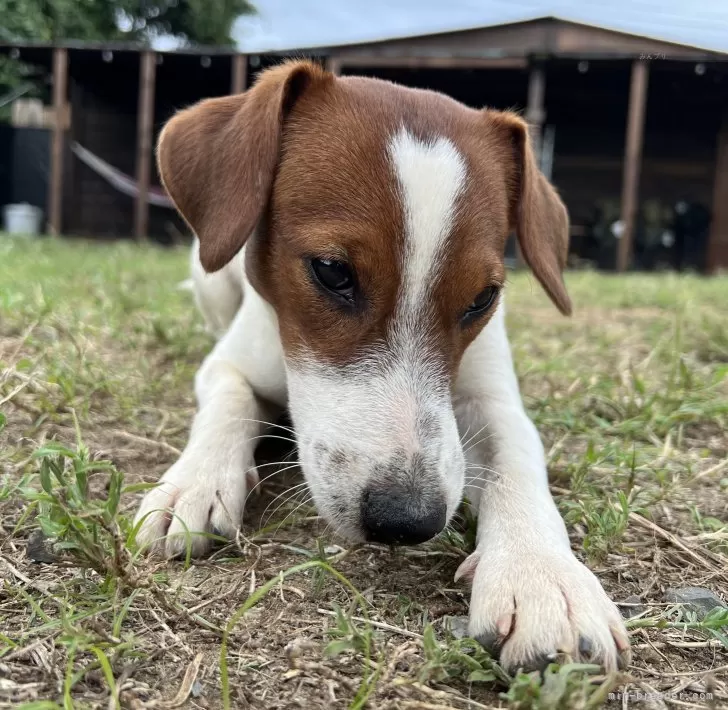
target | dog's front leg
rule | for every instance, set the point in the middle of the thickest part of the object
(531, 597)
(205, 490)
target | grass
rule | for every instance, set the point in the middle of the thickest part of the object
(98, 348)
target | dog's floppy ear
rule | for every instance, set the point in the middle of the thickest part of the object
(540, 217)
(217, 159)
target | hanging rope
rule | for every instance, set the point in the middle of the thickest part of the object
(15, 93)
(118, 180)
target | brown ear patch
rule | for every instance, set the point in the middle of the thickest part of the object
(217, 159)
(540, 217)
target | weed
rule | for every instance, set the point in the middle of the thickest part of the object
(563, 687)
(463, 659)
(98, 350)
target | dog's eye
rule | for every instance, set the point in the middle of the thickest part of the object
(483, 301)
(334, 276)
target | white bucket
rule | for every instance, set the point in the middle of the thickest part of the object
(22, 219)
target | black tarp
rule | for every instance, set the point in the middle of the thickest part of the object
(24, 161)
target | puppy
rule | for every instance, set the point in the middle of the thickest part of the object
(351, 237)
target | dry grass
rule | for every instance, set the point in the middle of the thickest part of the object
(97, 352)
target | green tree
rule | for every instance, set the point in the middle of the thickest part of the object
(190, 22)
(205, 22)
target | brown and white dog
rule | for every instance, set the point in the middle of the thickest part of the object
(350, 252)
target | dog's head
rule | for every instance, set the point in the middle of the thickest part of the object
(375, 218)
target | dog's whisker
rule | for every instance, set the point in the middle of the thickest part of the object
(306, 501)
(273, 463)
(289, 493)
(265, 423)
(466, 443)
(269, 476)
(480, 467)
(290, 457)
(471, 445)
(485, 476)
(288, 490)
(485, 484)
(294, 501)
(293, 497)
(463, 436)
(274, 436)
(326, 530)
(496, 481)
(528, 506)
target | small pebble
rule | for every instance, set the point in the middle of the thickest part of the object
(39, 548)
(456, 625)
(631, 606)
(197, 689)
(699, 600)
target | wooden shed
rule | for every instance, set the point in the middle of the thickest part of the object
(623, 123)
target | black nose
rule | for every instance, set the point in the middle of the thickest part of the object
(401, 519)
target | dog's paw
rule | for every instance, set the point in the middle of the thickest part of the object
(195, 499)
(528, 607)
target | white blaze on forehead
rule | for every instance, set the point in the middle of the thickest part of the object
(373, 409)
(431, 175)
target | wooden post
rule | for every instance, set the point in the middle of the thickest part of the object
(535, 115)
(239, 73)
(535, 112)
(333, 64)
(145, 121)
(55, 183)
(632, 161)
(717, 257)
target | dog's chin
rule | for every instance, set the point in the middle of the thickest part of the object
(341, 519)
(349, 530)
(350, 534)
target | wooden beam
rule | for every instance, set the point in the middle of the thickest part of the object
(399, 62)
(632, 161)
(535, 112)
(333, 64)
(145, 126)
(582, 41)
(239, 73)
(535, 115)
(717, 257)
(55, 183)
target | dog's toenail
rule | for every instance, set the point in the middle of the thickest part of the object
(504, 624)
(491, 641)
(467, 568)
(537, 663)
(620, 639)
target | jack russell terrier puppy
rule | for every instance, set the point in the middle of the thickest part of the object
(349, 254)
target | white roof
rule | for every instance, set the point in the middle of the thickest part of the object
(308, 24)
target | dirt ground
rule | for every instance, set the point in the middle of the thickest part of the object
(98, 349)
